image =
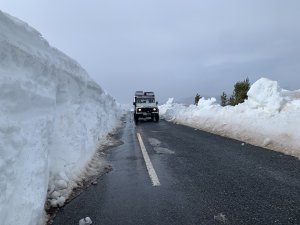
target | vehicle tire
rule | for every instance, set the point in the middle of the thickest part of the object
(156, 118)
(152, 118)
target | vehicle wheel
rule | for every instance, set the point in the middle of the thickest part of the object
(157, 118)
(152, 118)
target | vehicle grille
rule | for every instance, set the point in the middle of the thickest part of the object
(147, 110)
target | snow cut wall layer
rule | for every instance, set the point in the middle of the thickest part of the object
(269, 118)
(52, 116)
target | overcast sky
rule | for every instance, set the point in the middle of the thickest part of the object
(175, 48)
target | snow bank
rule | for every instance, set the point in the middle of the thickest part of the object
(269, 118)
(52, 117)
(266, 94)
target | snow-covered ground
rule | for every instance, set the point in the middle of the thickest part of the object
(52, 118)
(269, 118)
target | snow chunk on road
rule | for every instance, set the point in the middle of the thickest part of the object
(85, 221)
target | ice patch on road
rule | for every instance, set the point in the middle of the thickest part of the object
(221, 218)
(156, 144)
(154, 141)
(161, 150)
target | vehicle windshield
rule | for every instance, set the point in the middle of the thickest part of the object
(145, 100)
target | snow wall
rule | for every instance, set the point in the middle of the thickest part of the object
(269, 118)
(52, 117)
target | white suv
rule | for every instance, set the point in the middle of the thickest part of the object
(145, 106)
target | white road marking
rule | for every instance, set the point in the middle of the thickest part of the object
(151, 171)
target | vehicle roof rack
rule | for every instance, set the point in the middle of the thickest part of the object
(142, 93)
(139, 93)
(149, 93)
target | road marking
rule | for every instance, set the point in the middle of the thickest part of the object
(151, 171)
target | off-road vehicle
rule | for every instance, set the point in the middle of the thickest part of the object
(145, 106)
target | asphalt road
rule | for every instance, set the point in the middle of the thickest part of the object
(204, 179)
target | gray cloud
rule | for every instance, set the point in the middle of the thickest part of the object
(175, 48)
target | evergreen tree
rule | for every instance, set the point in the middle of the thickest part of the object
(239, 94)
(231, 100)
(240, 91)
(224, 100)
(197, 98)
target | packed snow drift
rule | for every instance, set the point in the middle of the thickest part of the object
(52, 118)
(269, 118)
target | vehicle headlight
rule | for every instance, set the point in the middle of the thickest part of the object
(139, 110)
(154, 109)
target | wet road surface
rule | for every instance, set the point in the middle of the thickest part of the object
(203, 179)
